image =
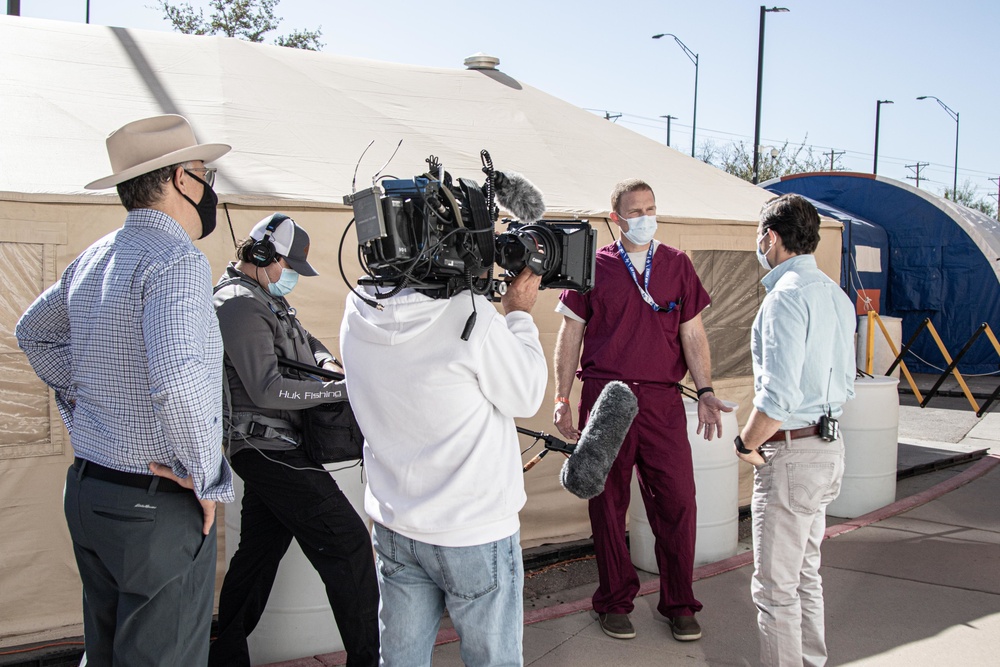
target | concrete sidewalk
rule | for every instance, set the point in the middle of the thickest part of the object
(914, 583)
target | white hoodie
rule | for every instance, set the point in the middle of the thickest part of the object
(441, 451)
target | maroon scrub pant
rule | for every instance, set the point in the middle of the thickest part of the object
(657, 446)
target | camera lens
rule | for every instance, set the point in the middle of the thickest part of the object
(532, 246)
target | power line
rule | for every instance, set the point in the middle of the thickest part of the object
(657, 125)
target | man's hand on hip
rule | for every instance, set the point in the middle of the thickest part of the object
(207, 506)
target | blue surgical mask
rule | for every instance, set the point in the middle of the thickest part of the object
(762, 254)
(641, 230)
(285, 284)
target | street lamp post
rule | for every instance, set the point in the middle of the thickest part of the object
(878, 110)
(669, 118)
(693, 57)
(760, 80)
(954, 117)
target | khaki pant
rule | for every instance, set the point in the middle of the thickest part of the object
(791, 492)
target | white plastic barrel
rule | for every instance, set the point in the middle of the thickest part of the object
(716, 478)
(883, 354)
(870, 428)
(298, 620)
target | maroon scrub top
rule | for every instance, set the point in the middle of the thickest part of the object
(625, 339)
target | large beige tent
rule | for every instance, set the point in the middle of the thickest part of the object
(298, 122)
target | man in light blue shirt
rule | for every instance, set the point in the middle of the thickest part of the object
(802, 345)
(128, 340)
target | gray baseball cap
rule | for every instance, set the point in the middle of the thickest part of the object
(290, 242)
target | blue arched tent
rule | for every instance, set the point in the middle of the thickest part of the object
(943, 260)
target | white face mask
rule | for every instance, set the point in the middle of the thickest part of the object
(641, 230)
(762, 254)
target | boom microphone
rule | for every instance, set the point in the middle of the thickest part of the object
(585, 472)
(519, 196)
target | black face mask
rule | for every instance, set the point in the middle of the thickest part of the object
(206, 207)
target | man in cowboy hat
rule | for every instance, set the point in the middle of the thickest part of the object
(128, 340)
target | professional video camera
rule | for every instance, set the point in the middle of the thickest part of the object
(436, 235)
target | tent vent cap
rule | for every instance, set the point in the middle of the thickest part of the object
(481, 61)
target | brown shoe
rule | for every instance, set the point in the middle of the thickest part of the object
(685, 628)
(616, 625)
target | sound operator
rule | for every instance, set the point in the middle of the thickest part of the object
(286, 493)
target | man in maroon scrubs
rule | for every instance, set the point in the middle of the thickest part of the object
(641, 324)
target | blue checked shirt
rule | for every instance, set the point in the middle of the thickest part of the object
(802, 345)
(129, 341)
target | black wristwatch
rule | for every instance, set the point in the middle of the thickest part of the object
(740, 447)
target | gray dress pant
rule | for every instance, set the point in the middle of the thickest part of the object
(148, 573)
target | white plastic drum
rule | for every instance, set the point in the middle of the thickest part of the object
(870, 428)
(298, 620)
(716, 477)
(883, 354)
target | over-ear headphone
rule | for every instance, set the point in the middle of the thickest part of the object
(263, 252)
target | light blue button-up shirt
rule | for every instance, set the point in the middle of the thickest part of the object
(129, 341)
(802, 345)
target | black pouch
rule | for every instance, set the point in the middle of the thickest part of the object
(330, 433)
(829, 428)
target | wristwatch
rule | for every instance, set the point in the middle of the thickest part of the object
(740, 447)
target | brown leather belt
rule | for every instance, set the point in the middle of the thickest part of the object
(795, 434)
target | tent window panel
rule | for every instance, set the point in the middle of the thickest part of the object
(732, 278)
(29, 421)
(868, 259)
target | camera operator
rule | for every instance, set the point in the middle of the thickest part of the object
(286, 494)
(444, 473)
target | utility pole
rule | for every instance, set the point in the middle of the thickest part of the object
(997, 195)
(611, 116)
(669, 118)
(833, 156)
(918, 166)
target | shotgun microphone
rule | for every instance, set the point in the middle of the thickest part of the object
(519, 196)
(585, 472)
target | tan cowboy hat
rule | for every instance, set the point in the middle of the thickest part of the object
(149, 144)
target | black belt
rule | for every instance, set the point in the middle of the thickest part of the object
(795, 434)
(85, 468)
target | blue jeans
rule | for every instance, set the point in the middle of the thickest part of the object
(791, 492)
(481, 586)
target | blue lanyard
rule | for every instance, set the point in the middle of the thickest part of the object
(643, 291)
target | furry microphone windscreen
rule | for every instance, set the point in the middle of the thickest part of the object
(585, 472)
(519, 196)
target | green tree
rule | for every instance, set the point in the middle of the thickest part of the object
(244, 19)
(737, 159)
(967, 196)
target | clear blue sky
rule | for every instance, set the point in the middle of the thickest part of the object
(825, 65)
